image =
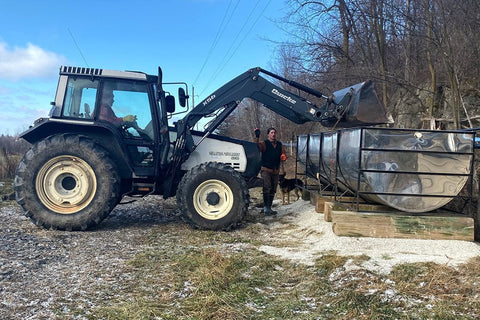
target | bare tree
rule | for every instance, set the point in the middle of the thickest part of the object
(423, 56)
(418, 52)
(430, 63)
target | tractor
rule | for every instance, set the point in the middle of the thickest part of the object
(111, 134)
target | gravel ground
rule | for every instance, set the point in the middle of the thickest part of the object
(43, 271)
(40, 269)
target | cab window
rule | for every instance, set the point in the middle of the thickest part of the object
(127, 105)
(79, 97)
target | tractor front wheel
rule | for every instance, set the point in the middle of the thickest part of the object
(213, 196)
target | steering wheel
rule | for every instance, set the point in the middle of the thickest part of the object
(134, 125)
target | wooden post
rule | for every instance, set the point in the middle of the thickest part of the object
(327, 211)
(320, 205)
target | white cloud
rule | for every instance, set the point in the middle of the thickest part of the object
(22, 102)
(30, 62)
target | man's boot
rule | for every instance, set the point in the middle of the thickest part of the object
(266, 207)
(270, 202)
(267, 210)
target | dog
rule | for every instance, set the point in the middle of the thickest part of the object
(289, 185)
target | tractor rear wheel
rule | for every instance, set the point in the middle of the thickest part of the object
(67, 182)
(213, 196)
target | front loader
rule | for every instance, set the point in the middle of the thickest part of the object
(83, 161)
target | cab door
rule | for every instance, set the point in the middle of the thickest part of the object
(127, 105)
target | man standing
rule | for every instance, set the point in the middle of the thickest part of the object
(272, 153)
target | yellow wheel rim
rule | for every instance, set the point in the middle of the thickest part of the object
(213, 199)
(66, 184)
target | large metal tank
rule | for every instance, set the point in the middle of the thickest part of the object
(309, 155)
(302, 154)
(329, 155)
(409, 170)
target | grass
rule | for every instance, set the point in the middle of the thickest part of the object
(192, 274)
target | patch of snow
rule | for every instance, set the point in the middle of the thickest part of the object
(316, 238)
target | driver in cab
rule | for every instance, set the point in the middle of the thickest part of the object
(106, 111)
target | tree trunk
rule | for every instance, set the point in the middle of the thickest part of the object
(342, 7)
(377, 11)
(431, 67)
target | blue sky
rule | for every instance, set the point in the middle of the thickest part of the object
(204, 43)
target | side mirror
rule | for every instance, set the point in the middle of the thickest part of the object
(170, 104)
(182, 97)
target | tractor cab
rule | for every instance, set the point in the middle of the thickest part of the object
(127, 112)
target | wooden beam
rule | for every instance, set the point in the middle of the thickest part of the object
(402, 225)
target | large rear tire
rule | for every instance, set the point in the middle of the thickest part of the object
(213, 196)
(67, 182)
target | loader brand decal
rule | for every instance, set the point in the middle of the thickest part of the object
(208, 100)
(218, 154)
(283, 96)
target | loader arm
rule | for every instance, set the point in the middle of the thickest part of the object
(352, 106)
(251, 85)
(223, 101)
